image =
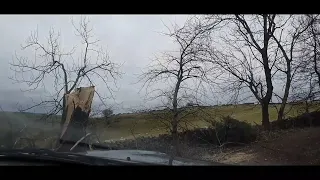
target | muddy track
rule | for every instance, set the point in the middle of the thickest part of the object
(299, 147)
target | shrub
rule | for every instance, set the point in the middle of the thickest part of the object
(6, 139)
(233, 130)
(304, 120)
(229, 131)
(107, 113)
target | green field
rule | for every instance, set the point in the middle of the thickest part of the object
(144, 124)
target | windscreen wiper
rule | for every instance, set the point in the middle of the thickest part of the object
(84, 146)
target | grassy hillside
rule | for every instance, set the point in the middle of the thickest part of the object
(147, 124)
(142, 124)
(27, 125)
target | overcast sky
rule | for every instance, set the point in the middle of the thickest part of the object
(129, 39)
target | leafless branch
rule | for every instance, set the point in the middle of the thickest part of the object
(188, 63)
(52, 63)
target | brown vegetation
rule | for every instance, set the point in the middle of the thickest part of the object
(242, 142)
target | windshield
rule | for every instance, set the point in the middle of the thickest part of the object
(230, 89)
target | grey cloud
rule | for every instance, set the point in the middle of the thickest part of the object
(131, 40)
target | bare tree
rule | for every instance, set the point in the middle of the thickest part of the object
(305, 90)
(310, 47)
(315, 44)
(179, 68)
(107, 113)
(245, 55)
(306, 84)
(66, 71)
(289, 46)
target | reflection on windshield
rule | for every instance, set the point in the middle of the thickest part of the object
(230, 89)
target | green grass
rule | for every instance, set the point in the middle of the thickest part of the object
(27, 125)
(146, 124)
(149, 125)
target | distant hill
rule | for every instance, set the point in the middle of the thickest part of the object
(18, 120)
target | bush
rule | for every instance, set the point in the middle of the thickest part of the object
(304, 120)
(6, 139)
(107, 113)
(233, 130)
(229, 131)
(199, 136)
(10, 140)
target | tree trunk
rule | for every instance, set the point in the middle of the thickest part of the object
(64, 112)
(175, 139)
(267, 72)
(287, 87)
(306, 107)
(174, 123)
(265, 116)
(285, 97)
(62, 121)
(281, 112)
